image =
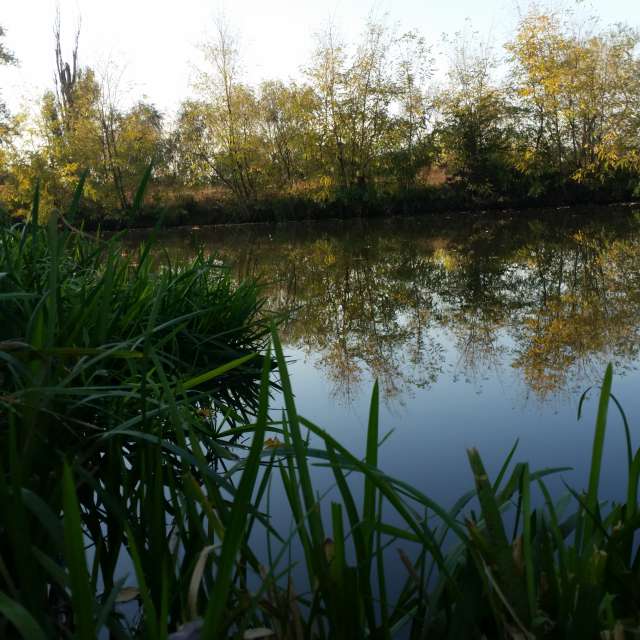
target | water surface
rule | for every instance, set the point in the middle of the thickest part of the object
(481, 329)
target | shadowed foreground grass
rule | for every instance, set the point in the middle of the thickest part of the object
(138, 459)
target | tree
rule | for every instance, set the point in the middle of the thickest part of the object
(110, 122)
(354, 95)
(140, 142)
(84, 127)
(6, 58)
(413, 71)
(69, 124)
(288, 130)
(72, 137)
(580, 89)
(326, 76)
(373, 106)
(475, 131)
(226, 117)
(370, 91)
(130, 139)
(67, 75)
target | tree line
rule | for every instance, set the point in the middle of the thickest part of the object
(553, 118)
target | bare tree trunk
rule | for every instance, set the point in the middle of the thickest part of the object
(66, 75)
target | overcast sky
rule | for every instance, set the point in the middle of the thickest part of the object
(154, 41)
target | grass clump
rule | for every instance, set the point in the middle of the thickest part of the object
(103, 358)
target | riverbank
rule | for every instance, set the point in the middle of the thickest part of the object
(182, 209)
(446, 220)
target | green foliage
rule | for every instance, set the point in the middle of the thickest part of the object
(578, 89)
(288, 131)
(81, 126)
(476, 133)
(90, 335)
(366, 128)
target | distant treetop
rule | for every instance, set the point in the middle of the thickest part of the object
(6, 57)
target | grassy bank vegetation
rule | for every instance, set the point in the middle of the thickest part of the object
(371, 128)
(139, 462)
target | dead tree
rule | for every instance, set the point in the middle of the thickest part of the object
(67, 75)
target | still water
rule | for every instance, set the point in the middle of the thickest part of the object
(481, 329)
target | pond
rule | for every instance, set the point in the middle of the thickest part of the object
(482, 329)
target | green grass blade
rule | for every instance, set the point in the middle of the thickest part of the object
(505, 467)
(384, 487)
(371, 458)
(559, 541)
(77, 195)
(632, 488)
(627, 430)
(235, 532)
(497, 544)
(315, 522)
(218, 371)
(20, 618)
(150, 614)
(528, 542)
(142, 187)
(81, 592)
(596, 455)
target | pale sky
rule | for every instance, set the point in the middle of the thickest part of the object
(155, 41)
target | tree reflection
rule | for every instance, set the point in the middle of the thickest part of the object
(365, 309)
(584, 312)
(553, 300)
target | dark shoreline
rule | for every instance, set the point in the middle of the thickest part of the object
(169, 220)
